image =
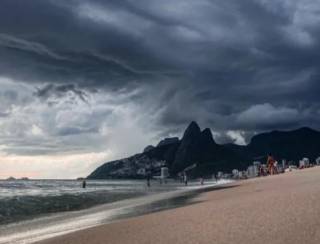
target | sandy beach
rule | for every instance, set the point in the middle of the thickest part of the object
(276, 209)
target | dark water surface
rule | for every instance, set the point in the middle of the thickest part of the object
(29, 199)
(21, 200)
(137, 200)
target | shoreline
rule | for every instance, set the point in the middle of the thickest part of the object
(276, 209)
(63, 223)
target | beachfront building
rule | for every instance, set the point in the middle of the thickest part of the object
(235, 174)
(220, 175)
(227, 176)
(243, 175)
(253, 171)
(304, 163)
(284, 164)
(280, 168)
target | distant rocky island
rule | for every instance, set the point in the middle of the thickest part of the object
(197, 147)
(14, 179)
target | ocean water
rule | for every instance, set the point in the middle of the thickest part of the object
(34, 210)
(27, 199)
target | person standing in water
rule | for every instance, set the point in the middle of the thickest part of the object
(84, 184)
(185, 179)
(201, 180)
(148, 178)
(215, 175)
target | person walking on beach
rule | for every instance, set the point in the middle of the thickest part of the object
(185, 179)
(270, 164)
(201, 180)
(262, 171)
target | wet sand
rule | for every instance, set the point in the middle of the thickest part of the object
(276, 209)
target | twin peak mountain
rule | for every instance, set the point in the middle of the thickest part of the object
(198, 148)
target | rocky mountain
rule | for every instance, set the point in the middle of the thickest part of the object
(291, 145)
(135, 167)
(168, 141)
(148, 148)
(198, 147)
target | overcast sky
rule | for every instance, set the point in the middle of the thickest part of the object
(84, 82)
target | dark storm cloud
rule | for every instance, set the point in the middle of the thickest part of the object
(59, 91)
(246, 65)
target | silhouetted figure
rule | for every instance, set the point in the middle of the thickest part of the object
(185, 179)
(216, 176)
(148, 179)
(84, 184)
(261, 171)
